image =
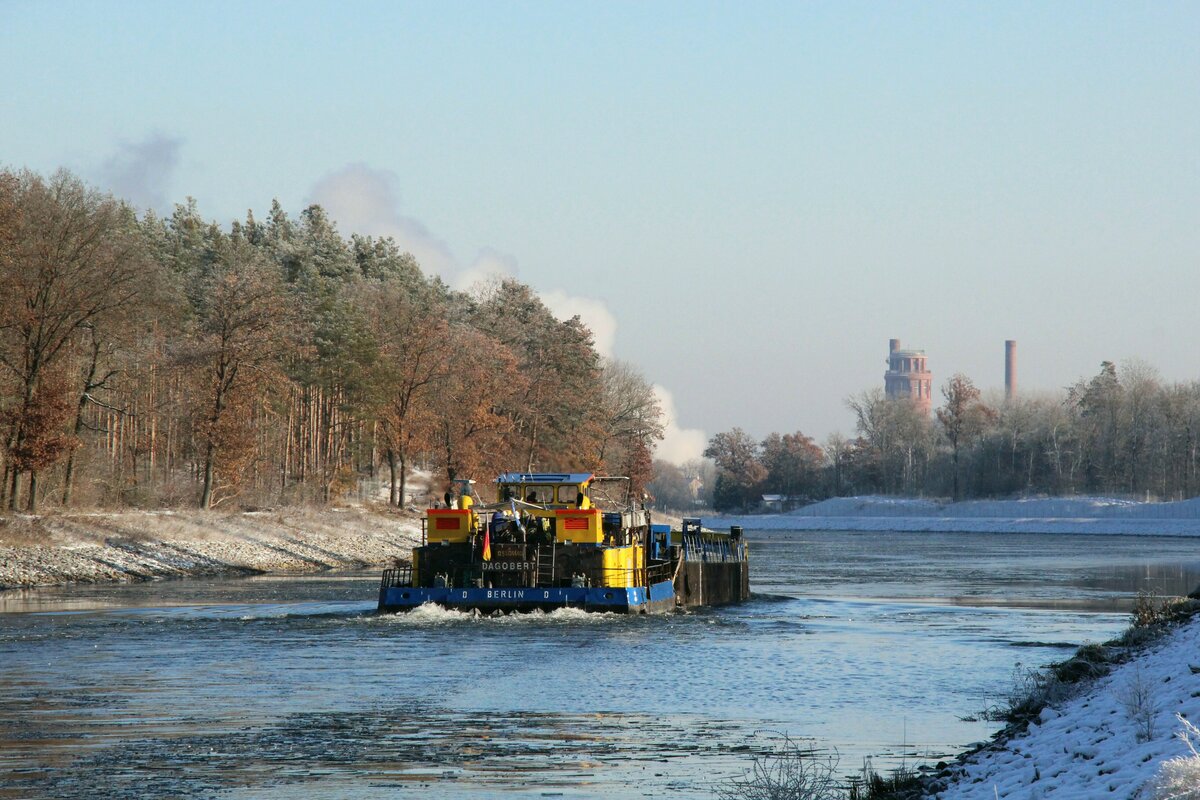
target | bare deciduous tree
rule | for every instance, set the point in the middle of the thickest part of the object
(963, 418)
(74, 258)
(632, 423)
(416, 358)
(240, 335)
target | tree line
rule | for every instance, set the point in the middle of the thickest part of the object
(1123, 431)
(150, 361)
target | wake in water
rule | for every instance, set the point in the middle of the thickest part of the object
(433, 615)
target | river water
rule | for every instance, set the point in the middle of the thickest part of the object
(288, 686)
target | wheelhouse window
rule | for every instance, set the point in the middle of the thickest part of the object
(567, 495)
(537, 493)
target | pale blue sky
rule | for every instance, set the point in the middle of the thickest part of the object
(760, 194)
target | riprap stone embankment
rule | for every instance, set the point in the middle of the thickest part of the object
(96, 547)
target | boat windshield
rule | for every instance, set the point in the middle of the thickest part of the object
(535, 493)
(540, 494)
(610, 492)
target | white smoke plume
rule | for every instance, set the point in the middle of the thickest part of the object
(678, 445)
(141, 172)
(489, 265)
(594, 314)
(366, 201)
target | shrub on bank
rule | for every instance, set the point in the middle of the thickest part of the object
(901, 783)
(786, 771)
(1178, 778)
(1032, 690)
(790, 771)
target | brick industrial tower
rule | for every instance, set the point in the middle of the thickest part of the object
(908, 376)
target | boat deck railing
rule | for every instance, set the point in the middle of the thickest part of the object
(698, 547)
(657, 573)
(396, 576)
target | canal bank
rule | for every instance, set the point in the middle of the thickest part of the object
(1126, 731)
(144, 545)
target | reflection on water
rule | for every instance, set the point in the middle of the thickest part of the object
(275, 687)
(1034, 570)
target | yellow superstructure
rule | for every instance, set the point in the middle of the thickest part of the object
(623, 566)
(536, 513)
(578, 526)
(450, 524)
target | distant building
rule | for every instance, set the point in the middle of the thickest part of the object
(773, 502)
(777, 503)
(908, 376)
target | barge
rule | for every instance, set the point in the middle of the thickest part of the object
(564, 540)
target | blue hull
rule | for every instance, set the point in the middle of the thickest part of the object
(657, 597)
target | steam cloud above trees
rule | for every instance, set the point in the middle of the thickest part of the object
(141, 172)
(679, 445)
(366, 200)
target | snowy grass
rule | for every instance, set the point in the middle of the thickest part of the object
(1137, 697)
(1108, 736)
(1029, 691)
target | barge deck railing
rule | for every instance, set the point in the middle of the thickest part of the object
(698, 547)
(396, 577)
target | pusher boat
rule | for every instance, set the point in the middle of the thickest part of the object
(561, 540)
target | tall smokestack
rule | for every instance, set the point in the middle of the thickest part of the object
(893, 345)
(1010, 369)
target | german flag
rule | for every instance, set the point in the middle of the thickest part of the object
(487, 545)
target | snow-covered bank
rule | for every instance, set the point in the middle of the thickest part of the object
(1037, 515)
(1110, 740)
(70, 548)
